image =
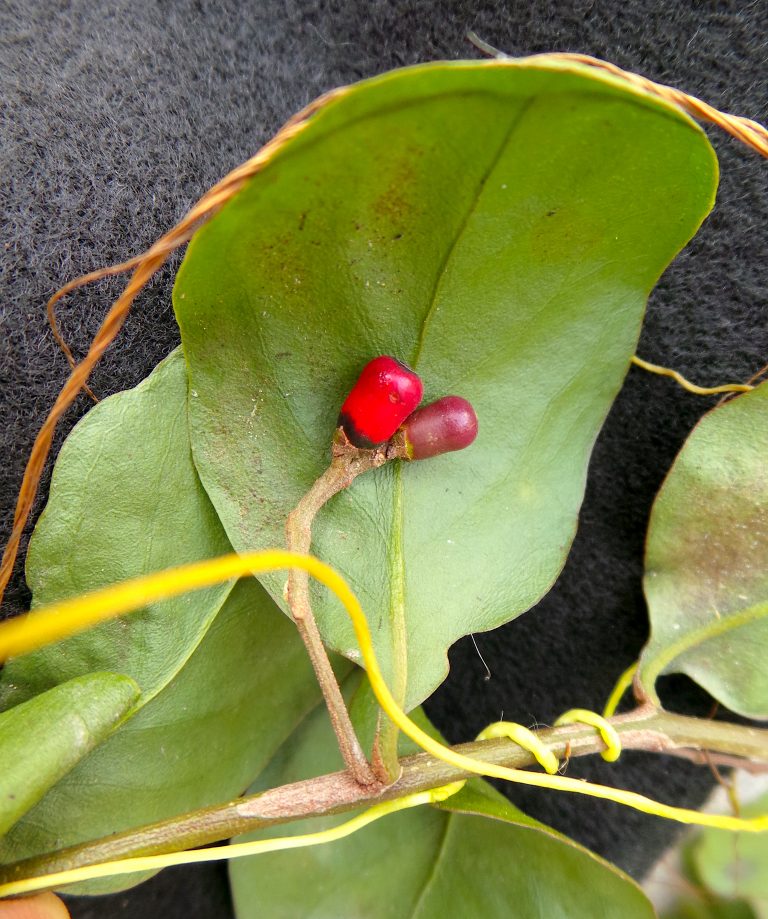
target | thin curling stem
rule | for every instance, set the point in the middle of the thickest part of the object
(686, 384)
(608, 732)
(749, 132)
(523, 738)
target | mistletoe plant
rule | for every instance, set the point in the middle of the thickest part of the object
(496, 228)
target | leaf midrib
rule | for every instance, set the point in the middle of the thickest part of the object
(451, 249)
(439, 854)
(397, 577)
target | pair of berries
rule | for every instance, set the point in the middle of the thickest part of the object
(383, 402)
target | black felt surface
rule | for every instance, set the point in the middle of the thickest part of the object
(117, 116)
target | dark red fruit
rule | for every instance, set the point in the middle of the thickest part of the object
(446, 425)
(386, 393)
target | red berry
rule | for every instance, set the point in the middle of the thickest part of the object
(445, 425)
(386, 392)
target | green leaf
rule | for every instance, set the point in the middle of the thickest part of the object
(499, 226)
(704, 906)
(426, 862)
(487, 864)
(42, 739)
(125, 500)
(201, 741)
(706, 577)
(224, 675)
(734, 864)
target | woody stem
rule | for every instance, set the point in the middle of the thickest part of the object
(348, 462)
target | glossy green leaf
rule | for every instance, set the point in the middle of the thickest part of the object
(224, 675)
(499, 226)
(124, 500)
(474, 856)
(43, 739)
(706, 578)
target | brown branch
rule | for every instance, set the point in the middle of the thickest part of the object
(644, 728)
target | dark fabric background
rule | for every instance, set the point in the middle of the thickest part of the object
(116, 117)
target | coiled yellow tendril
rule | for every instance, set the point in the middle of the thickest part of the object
(607, 731)
(59, 620)
(523, 738)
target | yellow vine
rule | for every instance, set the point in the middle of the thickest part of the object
(686, 384)
(59, 620)
(219, 853)
(622, 685)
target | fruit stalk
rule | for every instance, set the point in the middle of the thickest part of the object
(348, 462)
